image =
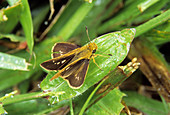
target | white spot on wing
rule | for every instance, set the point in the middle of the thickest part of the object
(77, 78)
(63, 61)
(67, 68)
(61, 53)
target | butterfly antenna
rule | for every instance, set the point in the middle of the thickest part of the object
(87, 34)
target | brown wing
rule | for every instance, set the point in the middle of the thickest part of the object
(63, 48)
(57, 63)
(76, 73)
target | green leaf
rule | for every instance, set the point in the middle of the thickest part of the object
(23, 97)
(159, 35)
(42, 51)
(72, 23)
(71, 107)
(108, 105)
(9, 17)
(116, 43)
(128, 12)
(7, 96)
(27, 96)
(39, 14)
(67, 14)
(12, 37)
(29, 107)
(26, 22)
(149, 13)
(114, 79)
(147, 3)
(95, 15)
(12, 2)
(30, 101)
(110, 8)
(144, 104)
(2, 110)
(10, 78)
(75, 18)
(12, 62)
(152, 23)
(90, 97)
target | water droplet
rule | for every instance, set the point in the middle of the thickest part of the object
(98, 2)
(77, 93)
(57, 99)
(5, 113)
(38, 85)
(16, 61)
(2, 58)
(46, 22)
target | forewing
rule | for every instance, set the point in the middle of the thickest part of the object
(76, 73)
(63, 48)
(57, 63)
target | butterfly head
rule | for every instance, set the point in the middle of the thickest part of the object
(92, 47)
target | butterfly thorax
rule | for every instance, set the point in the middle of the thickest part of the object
(84, 52)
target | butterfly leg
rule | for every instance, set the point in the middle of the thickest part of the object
(96, 63)
(55, 76)
(95, 55)
(100, 55)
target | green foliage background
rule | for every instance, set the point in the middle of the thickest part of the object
(23, 22)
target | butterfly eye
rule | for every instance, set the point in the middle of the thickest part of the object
(94, 51)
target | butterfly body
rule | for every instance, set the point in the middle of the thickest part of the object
(71, 62)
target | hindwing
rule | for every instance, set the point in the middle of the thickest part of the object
(75, 74)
